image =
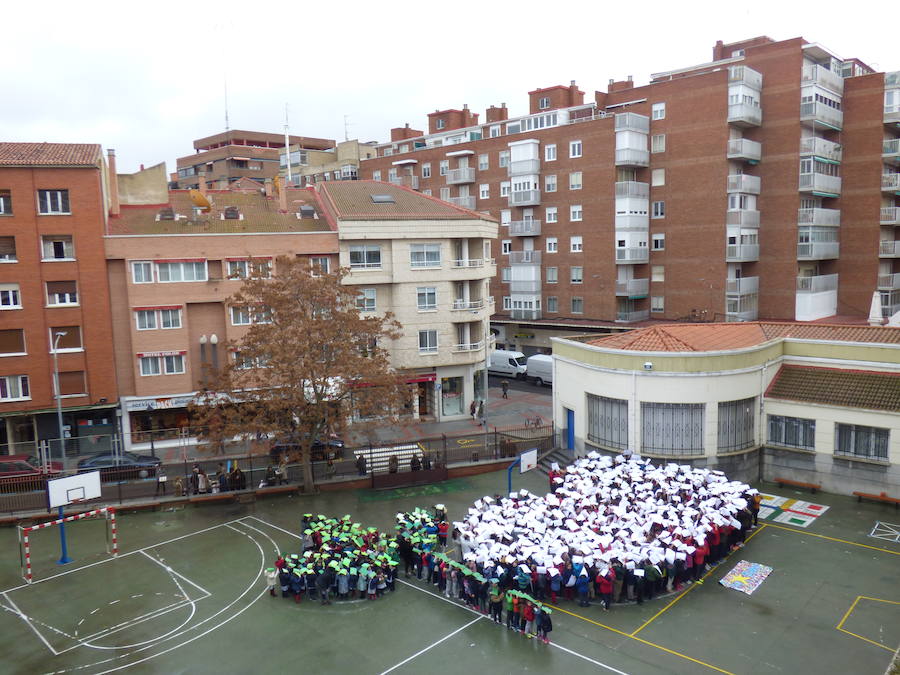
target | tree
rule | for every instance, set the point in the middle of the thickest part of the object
(307, 363)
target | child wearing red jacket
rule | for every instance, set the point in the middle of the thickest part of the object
(605, 584)
(528, 619)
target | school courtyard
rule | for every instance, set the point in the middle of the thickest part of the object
(187, 594)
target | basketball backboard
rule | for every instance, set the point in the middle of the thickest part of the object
(80, 487)
(528, 460)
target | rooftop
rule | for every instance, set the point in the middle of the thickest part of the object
(49, 154)
(833, 386)
(352, 200)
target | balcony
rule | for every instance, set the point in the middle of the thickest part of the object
(632, 188)
(743, 183)
(632, 157)
(742, 286)
(525, 228)
(632, 122)
(819, 113)
(818, 250)
(633, 288)
(825, 217)
(817, 284)
(824, 78)
(468, 347)
(741, 315)
(742, 217)
(632, 316)
(822, 148)
(468, 263)
(462, 304)
(411, 182)
(524, 167)
(890, 151)
(890, 182)
(460, 176)
(632, 256)
(892, 114)
(745, 75)
(525, 314)
(741, 148)
(889, 282)
(525, 198)
(889, 249)
(744, 115)
(819, 183)
(525, 286)
(890, 215)
(741, 252)
(525, 258)
(463, 202)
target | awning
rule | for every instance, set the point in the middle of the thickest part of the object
(401, 162)
(460, 153)
(150, 308)
(242, 159)
(426, 377)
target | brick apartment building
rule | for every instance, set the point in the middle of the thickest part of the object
(308, 167)
(233, 154)
(54, 299)
(763, 184)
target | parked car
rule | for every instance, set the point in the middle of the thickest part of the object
(333, 448)
(120, 466)
(18, 475)
(539, 369)
(506, 362)
(53, 465)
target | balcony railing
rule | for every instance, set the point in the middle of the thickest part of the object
(468, 347)
(891, 114)
(821, 148)
(741, 148)
(890, 182)
(525, 198)
(817, 284)
(818, 250)
(827, 217)
(632, 316)
(890, 215)
(525, 258)
(634, 288)
(525, 286)
(524, 167)
(742, 217)
(632, 157)
(741, 252)
(744, 114)
(460, 176)
(630, 188)
(890, 151)
(743, 183)
(632, 255)
(819, 182)
(463, 202)
(889, 249)
(742, 286)
(824, 78)
(470, 262)
(745, 75)
(742, 315)
(412, 182)
(460, 304)
(632, 122)
(816, 111)
(525, 314)
(632, 222)
(889, 282)
(525, 228)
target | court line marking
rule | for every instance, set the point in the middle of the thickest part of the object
(433, 644)
(168, 569)
(30, 625)
(455, 604)
(840, 541)
(850, 611)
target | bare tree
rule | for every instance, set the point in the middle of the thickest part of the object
(308, 363)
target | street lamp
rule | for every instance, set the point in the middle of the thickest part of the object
(59, 420)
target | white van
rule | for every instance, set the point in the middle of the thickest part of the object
(539, 369)
(505, 362)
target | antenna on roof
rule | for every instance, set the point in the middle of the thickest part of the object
(287, 145)
(226, 103)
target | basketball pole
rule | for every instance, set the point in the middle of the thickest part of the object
(64, 550)
(509, 475)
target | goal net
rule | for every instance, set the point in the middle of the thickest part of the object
(39, 543)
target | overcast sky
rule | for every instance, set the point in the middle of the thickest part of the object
(148, 78)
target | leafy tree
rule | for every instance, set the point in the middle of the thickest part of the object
(308, 362)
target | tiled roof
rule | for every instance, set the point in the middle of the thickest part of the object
(710, 337)
(260, 214)
(49, 154)
(352, 200)
(832, 386)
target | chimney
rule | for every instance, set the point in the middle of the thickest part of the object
(113, 181)
(718, 50)
(495, 114)
(201, 177)
(282, 198)
(576, 96)
(268, 186)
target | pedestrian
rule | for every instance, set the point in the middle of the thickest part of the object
(546, 625)
(605, 586)
(222, 478)
(160, 480)
(269, 480)
(271, 579)
(528, 619)
(281, 470)
(202, 482)
(473, 410)
(481, 412)
(329, 469)
(194, 480)
(755, 501)
(361, 464)
(393, 464)
(509, 602)
(496, 602)
(415, 464)
(504, 385)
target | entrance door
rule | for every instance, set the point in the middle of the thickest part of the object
(570, 429)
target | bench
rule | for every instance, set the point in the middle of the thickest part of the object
(276, 490)
(883, 497)
(217, 497)
(796, 483)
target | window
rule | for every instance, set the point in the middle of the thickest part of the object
(855, 440)
(171, 272)
(365, 257)
(575, 213)
(319, 265)
(484, 191)
(576, 275)
(69, 342)
(145, 319)
(5, 203)
(53, 202)
(544, 102)
(506, 246)
(575, 244)
(57, 247)
(12, 341)
(658, 177)
(659, 210)
(577, 305)
(240, 316)
(142, 272)
(8, 249)
(505, 216)
(737, 420)
(575, 180)
(657, 273)
(792, 432)
(149, 365)
(659, 242)
(376, 175)
(658, 111)
(428, 341)
(672, 428)
(60, 293)
(365, 301)
(257, 269)
(657, 303)
(426, 298)
(607, 421)
(504, 158)
(552, 275)
(14, 388)
(444, 167)
(550, 152)
(507, 302)
(552, 304)
(170, 318)
(440, 123)
(552, 245)
(575, 149)
(484, 162)
(9, 296)
(425, 255)
(426, 170)
(506, 274)
(504, 189)
(495, 131)
(427, 192)
(658, 143)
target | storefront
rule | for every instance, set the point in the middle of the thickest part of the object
(147, 421)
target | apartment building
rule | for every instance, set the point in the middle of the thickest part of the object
(301, 167)
(54, 300)
(172, 267)
(228, 156)
(762, 184)
(429, 263)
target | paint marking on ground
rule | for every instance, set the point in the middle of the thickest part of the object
(847, 614)
(30, 625)
(886, 531)
(432, 645)
(840, 541)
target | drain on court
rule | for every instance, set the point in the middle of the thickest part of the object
(886, 531)
(789, 511)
